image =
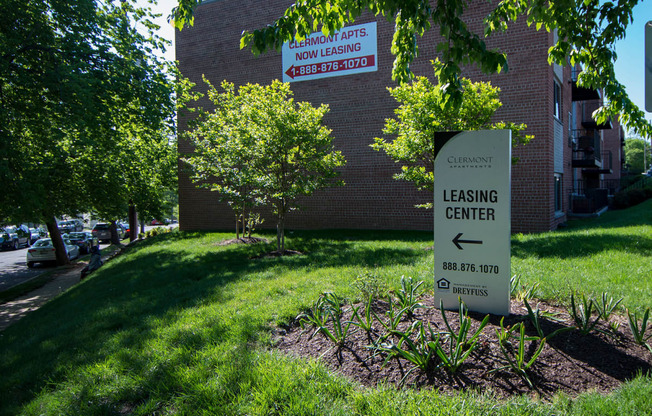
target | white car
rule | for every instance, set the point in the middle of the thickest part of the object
(43, 251)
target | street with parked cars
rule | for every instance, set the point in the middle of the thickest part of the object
(18, 264)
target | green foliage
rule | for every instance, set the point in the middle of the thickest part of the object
(419, 352)
(606, 306)
(630, 197)
(535, 318)
(87, 110)
(639, 330)
(327, 308)
(635, 148)
(582, 314)
(408, 295)
(369, 285)
(522, 291)
(394, 317)
(515, 355)
(422, 112)
(260, 147)
(460, 346)
(366, 320)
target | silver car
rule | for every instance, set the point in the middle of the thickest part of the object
(43, 251)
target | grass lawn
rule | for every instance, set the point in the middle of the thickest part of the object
(181, 325)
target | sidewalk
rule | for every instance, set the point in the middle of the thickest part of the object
(14, 310)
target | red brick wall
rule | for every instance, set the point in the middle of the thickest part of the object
(359, 105)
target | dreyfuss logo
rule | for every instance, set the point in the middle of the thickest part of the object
(470, 162)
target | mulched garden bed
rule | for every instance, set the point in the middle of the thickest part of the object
(570, 362)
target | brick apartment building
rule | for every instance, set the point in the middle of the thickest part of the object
(572, 164)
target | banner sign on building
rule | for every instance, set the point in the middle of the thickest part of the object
(472, 220)
(351, 50)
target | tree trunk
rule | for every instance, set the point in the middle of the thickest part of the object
(237, 226)
(57, 243)
(114, 234)
(280, 228)
(244, 220)
(133, 222)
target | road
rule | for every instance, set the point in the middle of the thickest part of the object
(14, 270)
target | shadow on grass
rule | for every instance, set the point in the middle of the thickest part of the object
(574, 245)
(123, 305)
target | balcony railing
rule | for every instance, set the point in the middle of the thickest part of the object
(586, 149)
(586, 186)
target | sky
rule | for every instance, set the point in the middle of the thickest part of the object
(629, 66)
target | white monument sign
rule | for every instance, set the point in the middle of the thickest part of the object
(472, 220)
(351, 50)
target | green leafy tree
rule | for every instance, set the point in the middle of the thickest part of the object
(78, 85)
(637, 155)
(422, 112)
(224, 159)
(587, 33)
(260, 146)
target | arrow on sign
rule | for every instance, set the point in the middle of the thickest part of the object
(331, 66)
(457, 241)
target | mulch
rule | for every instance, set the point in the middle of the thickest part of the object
(570, 362)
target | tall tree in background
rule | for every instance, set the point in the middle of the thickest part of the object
(422, 112)
(637, 155)
(587, 31)
(78, 87)
(259, 146)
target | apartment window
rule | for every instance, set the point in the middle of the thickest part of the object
(557, 94)
(559, 206)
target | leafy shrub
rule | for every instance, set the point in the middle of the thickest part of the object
(631, 197)
(368, 284)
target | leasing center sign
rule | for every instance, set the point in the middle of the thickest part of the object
(472, 220)
(351, 50)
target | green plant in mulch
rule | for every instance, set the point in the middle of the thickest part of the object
(582, 314)
(536, 317)
(408, 295)
(328, 307)
(512, 341)
(365, 319)
(420, 351)
(639, 329)
(459, 345)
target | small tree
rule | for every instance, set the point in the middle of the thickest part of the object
(223, 160)
(260, 147)
(422, 112)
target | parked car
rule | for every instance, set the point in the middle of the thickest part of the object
(14, 237)
(102, 231)
(125, 228)
(43, 251)
(84, 240)
(36, 234)
(70, 226)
